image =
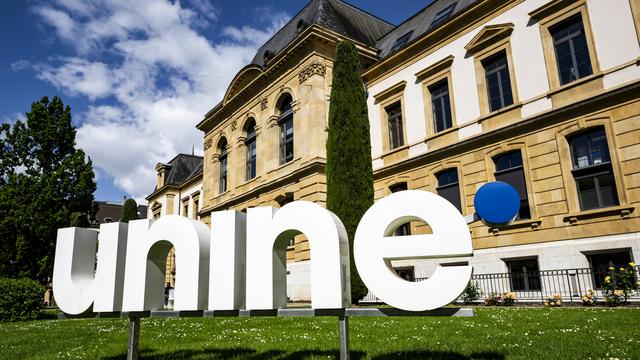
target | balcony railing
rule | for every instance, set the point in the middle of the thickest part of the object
(536, 286)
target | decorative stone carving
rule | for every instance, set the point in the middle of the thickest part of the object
(264, 103)
(234, 124)
(207, 144)
(315, 68)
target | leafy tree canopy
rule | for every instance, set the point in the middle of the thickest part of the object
(349, 170)
(129, 211)
(46, 183)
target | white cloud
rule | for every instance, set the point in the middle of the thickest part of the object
(151, 76)
(79, 76)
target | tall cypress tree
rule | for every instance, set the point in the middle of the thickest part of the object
(46, 183)
(129, 211)
(349, 171)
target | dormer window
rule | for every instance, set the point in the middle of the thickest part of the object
(401, 41)
(268, 55)
(301, 25)
(442, 15)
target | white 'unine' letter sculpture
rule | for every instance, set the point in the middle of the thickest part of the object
(375, 246)
(75, 286)
(227, 269)
(148, 245)
(268, 231)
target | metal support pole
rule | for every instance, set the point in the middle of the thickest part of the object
(344, 337)
(134, 337)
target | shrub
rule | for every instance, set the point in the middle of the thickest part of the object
(20, 299)
(589, 299)
(618, 284)
(471, 293)
(553, 301)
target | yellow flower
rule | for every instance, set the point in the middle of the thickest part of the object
(607, 279)
(611, 268)
(621, 269)
(632, 264)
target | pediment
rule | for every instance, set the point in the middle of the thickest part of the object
(244, 77)
(489, 35)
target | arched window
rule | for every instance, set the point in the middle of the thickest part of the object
(592, 169)
(222, 146)
(285, 122)
(250, 143)
(509, 169)
(449, 187)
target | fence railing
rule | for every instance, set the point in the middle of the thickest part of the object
(536, 286)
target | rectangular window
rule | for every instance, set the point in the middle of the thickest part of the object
(509, 169)
(592, 170)
(404, 229)
(524, 275)
(394, 122)
(496, 70)
(601, 262)
(441, 105)
(442, 15)
(449, 188)
(572, 51)
(286, 140)
(185, 209)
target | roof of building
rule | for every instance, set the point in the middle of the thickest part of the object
(431, 17)
(110, 212)
(183, 167)
(335, 15)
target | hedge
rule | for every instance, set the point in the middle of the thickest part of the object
(20, 299)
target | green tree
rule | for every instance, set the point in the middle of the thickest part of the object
(349, 171)
(129, 211)
(46, 183)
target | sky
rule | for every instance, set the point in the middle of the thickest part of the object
(138, 75)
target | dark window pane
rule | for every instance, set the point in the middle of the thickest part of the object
(401, 41)
(600, 264)
(524, 275)
(394, 120)
(286, 129)
(498, 81)
(592, 170)
(404, 229)
(449, 188)
(508, 161)
(441, 105)
(572, 51)
(607, 190)
(286, 139)
(442, 15)
(509, 170)
(589, 149)
(222, 158)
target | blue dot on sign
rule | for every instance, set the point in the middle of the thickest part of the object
(497, 203)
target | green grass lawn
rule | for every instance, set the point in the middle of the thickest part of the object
(493, 333)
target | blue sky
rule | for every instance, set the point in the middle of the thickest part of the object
(138, 75)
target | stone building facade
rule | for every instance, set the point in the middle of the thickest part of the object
(541, 94)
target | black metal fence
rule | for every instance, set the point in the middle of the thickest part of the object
(536, 286)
